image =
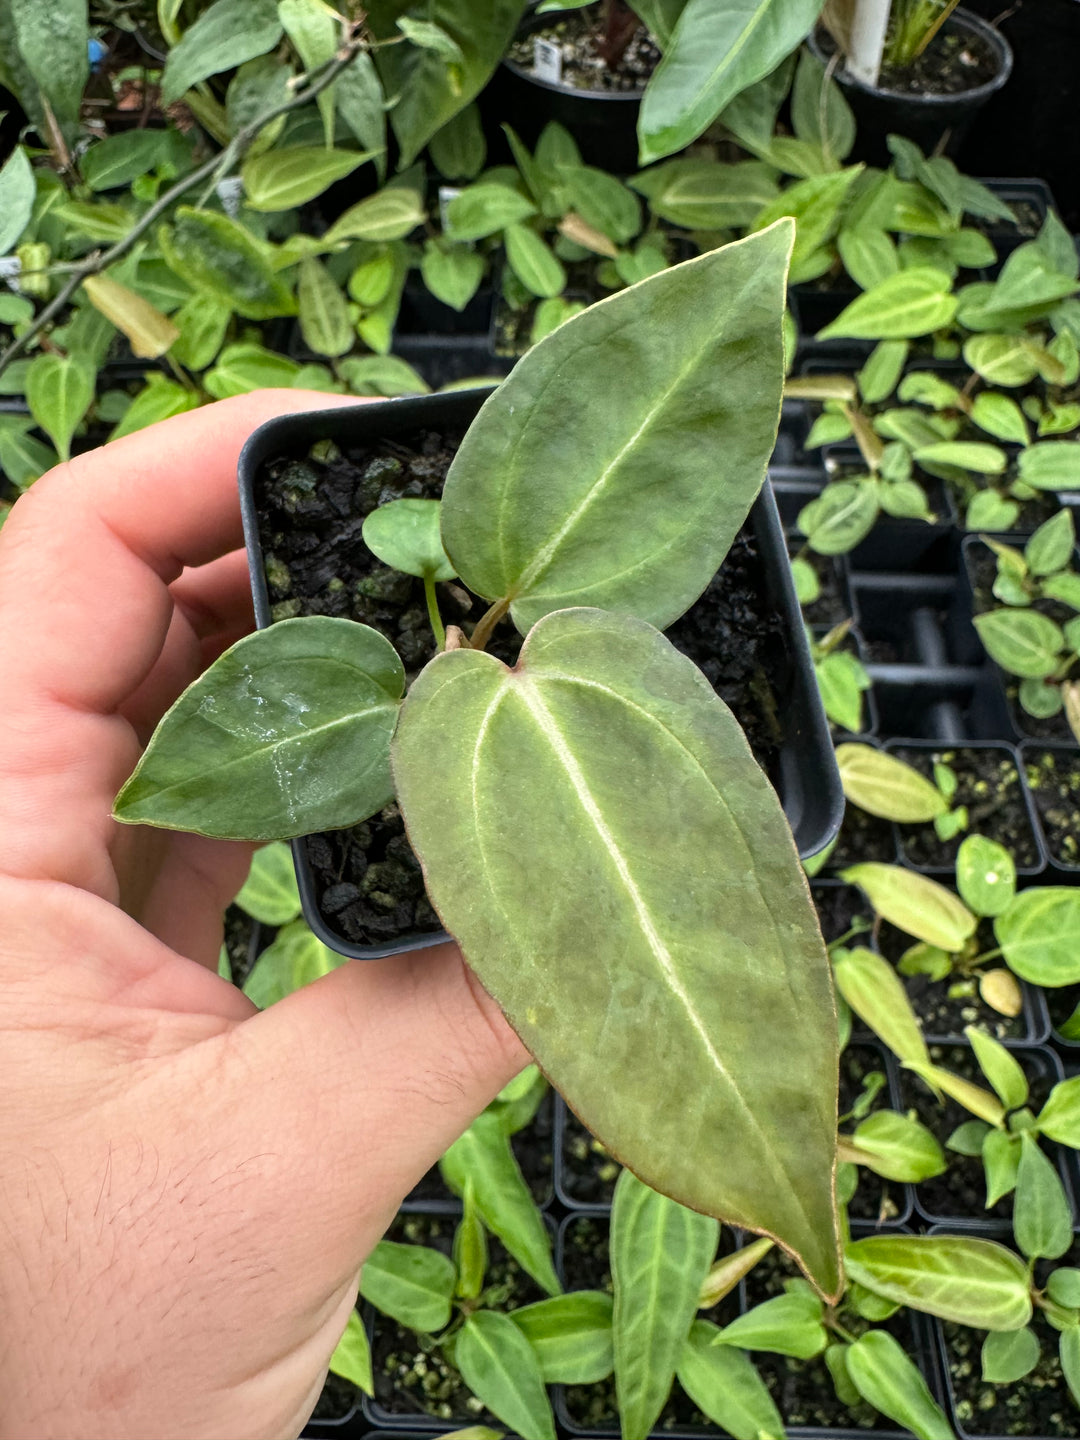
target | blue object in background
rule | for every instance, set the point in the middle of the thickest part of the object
(96, 52)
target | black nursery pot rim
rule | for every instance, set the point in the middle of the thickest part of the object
(531, 24)
(959, 20)
(808, 775)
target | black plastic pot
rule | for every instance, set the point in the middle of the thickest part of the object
(1060, 832)
(808, 782)
(603, 122)
(422, 314)
(927, 119)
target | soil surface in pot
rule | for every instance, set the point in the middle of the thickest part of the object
(579, 37)
(586, 1265)
(876, 1199)
(533, 1150)
(237, 939)
(311, 512)
(954, 61)
(587, 1172)
(946, 1007)
(863, 837)
(988, 784)
(840, 908)
(412, 1376)
(960, 1193)
(1054, 779)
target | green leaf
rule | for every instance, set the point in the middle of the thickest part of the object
(900, 1148)
(17, 191)
(872, 988)
(243, 368)
(1000, 416)
(1023, 642)
(483, 1157)
(724, 1385)
(500, 1367)
(1000, 1068)
(224, 36)
(1009, 1355)
(842, 680)
(405, 535)
(1000, 359)
(352, 1356)
(705, 194)
(387, 375)
(974, 1282)
(884, 786)
(571, 1336)
(23, 459)
(916, 904)
(59, 390)
(452, 272)
(891, 1383)
(1042, 1216)
(296, 958)
(52, 44)
(459, 149)
(602, 201)
(388, 215)
(314, 33)
(533, 261)
(869, 255)
(660, 1255)
(828, 429)
(966, 455)
(560, 732)
(716, 51)
(815, 204)
(908, 304)
(412, 1284)
(1029, 279)
(517, 1102)
(259, 85)
(1063, 1287)
(203, 324)
(484, 209)
(518, 523)
(725, 1273)
(1051, 465)
(239, 756)
(115, 162)
(358, 96)
(324, 311)
(269, 893)
(1069, 1349)
(470, 1252)
(985, 875)
(1001, 1162)
(819, 112)
(841, 516)
(149, 332)
(990, 511)
(789, 1324)
(879, 376)
(285, 178)
(1051, 546)
(1059, 1119)
(213, 253)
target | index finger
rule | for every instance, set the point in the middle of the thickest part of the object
(86, 559)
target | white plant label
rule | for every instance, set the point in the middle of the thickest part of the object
(547, 61)
(446, 194)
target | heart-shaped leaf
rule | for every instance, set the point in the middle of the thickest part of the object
(668, 905)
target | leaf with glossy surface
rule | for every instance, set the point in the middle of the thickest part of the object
(660, 1255)
(59, 390)
(571, 1336)
(482, 1158)
(413, 1284)
(389, 215)
(555, 505)
(287, 733)
(891, 1383)
(985, 875)
(914, 903)
(283, 179)
(559, 739)
(972, 1281)
(882, 785)
(905, 305)
(724, 1385)
(224, 36)
(789, 1324)
(404, 534)
(500, 1367)
(876, 993)
(269, 893)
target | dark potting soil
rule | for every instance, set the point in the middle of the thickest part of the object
(875, 1199)
(1037, 1405)
(831, 607)
(1054, 779)
(960, 1193)
(583, 66)
(862, 837)
(237, 941)
(988, 784)
(337, 1398)
(1062, 1003)
(839, 909)
(946, 1007)
(953, 62)
(587, 1172)
(311, 512)
(412, 1374)
(533, 1150)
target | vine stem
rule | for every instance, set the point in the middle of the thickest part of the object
(213, 169)
(438, 630)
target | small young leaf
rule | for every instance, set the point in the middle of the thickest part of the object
(241, 757)
(59, 389)
(1063, 1287)
(807, 584)
(882, 785)
(899, 1147)
(501, 1368)
(1009, 1355)
(388, 215)
(985, 875)
(842, 680)
(1051, 465)
(405, 535)
(967, 1139)
(571, 1336)
(533, 261)
(724, 1385)
(1042, 1217)
(1000, 416)
(1059, 1118)
(1037, 935)
(879, 376)
(295, 958)
(841, 516)
(891, 1383)
(1023, 642)
(869, 257)
(458, 149)
(269, 893)
(1001, 1163)
(387, 375)
(1000, 1068)
(1001, 991)
(914, 903)
(452, 272)
(725, 1274)
(789, 1324)
(324, 311)
(484, 209)
(412, 1284)
(352, 1357)
(518, 1101)
(1051, 547)
(470, 1248)
(1069, 1350)
(974, 1282)
(871, 987)
(908, 304)
(17, 191)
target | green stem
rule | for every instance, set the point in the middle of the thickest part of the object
(437, 627)
(482, 634)
(982, 959)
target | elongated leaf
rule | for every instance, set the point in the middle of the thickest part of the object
(1069, 1350)
(243, 368)
(556, 739)
(224, 36)
(888, 1380)
(500, 1367)
(1042, 1216)
(571, 1336)
(324, 311)
(1000, 359)
(122, 158)
(789, 1324)
(876, 993)
(726, 1273)
(724, 1385)
(412, 1284)
(17, 191)
(1000, 416)
(212, 252)
(1051, 465)
(313, 31)
(882, 785)
(459, 148)
(1059, 1119)
(869, 255)
(59, 389)
(974, 1282)
(484, 209)
(149, 332)
(660, 1254)
(914, 903)
(470, 1248)
(1024, 642)
(202, 323)
(352, 1357)
(1037, 935)
(841, 516)
(262, 747)
(898, 1147)
(52, 44)
(22, 458)
(717, 49)
(533, 261)
(158, 400)
(483, 1158)
(389, 215)
(269, 893)
(706, 195)
(536, 512)
(283, 179)
(908, 304)
(1001, 1162)
(1000, 1067)
(387, 375)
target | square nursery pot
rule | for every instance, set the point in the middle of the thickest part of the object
(1051, 770)
(800, 757)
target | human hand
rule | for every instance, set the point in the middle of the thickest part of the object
(187, 1187)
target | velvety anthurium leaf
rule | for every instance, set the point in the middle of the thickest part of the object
(887, 1379)
(884, 786)
(405, 535)
(665, 897)
(288, 732)
(956, 1277)
(584, 499)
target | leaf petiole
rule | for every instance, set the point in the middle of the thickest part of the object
(437, 627)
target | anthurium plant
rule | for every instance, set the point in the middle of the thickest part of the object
(591, 822)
